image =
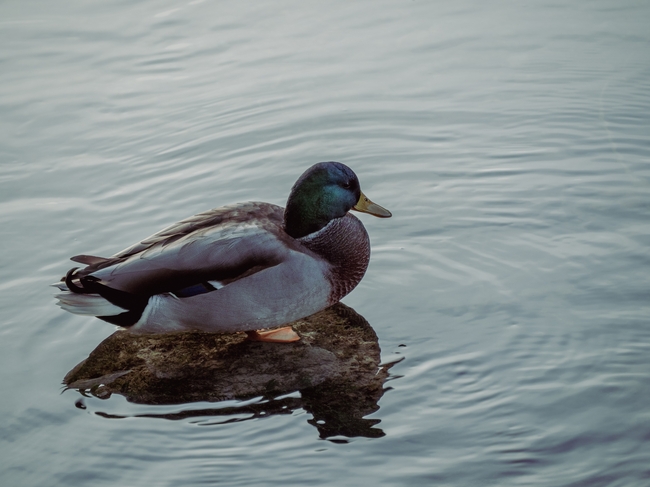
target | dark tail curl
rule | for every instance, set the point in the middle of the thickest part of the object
(71, 285)
(133, 304)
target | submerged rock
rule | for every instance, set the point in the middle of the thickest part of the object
(335, 366)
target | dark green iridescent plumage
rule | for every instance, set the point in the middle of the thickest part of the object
(326, 191)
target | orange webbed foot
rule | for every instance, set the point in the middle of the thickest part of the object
(279, 335)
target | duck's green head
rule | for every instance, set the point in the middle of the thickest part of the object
(325, 191)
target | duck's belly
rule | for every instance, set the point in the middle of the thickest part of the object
(269, 298)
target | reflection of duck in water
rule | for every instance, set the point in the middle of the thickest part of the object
(237, 268)
(336, 368)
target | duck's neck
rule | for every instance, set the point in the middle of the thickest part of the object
(301, 223)
(345, 245)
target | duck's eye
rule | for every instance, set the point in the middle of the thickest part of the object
(347, 185)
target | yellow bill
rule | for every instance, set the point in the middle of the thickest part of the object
(364, 205)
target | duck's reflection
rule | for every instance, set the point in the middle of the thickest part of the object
(335, 367)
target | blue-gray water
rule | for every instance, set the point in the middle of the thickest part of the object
(511, 141)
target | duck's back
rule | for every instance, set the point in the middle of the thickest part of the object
(217, 245)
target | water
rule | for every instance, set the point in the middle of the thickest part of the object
(511, 142)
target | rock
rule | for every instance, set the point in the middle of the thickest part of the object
(335, 366)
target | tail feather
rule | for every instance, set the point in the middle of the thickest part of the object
(88, 304)
(89, 296)
(89, 259)
(60, 285)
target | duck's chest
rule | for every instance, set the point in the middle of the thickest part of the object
(345, 246)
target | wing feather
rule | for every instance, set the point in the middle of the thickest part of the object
(222, 244)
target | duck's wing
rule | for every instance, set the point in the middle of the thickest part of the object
(240, 213)
(215, 247)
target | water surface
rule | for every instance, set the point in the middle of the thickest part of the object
(511, 142)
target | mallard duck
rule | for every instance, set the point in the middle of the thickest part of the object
(242, 267)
